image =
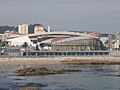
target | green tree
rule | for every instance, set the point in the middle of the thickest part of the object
(25, 45)
(4, 43)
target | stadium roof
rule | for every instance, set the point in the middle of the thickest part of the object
(72, 39)
(62, 39)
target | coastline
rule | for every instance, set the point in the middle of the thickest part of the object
(10, 61)
(31, 60)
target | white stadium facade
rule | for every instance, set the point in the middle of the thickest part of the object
(68, 41)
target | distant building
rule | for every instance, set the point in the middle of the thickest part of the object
(49, 29)
(9, 34)
(111, 41)
(116, 45)
(38, 29)
(105, 40)
(23, 29)
(1, 37)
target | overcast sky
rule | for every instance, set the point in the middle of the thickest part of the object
(78, 15)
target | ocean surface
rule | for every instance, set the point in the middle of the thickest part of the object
(92, 77)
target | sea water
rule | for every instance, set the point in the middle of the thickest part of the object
(92, 77)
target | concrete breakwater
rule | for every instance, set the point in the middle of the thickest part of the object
(55, 60)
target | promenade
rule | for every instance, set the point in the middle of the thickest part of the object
(36, 60)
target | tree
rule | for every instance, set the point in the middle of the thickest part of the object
(4, 43)
(25, 45)
(37, 47)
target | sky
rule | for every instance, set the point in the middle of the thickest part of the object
(74, 15)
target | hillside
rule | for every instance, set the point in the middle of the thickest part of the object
(13, 28)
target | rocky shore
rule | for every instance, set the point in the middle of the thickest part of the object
(36, 71)
(42, 71)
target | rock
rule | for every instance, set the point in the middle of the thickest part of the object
(35, 71)
(35, 85)
(70, 70)
(29, 88)
(18, 79)
(42, 71)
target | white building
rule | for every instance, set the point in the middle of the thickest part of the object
(49, 29)
(23, 29)
(18, 41)
(38, 29)
(117, 43)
